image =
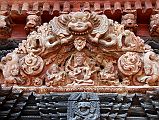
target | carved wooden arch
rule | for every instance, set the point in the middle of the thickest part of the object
(81, 49)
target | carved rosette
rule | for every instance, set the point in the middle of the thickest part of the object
(129, 63)
(31, 64)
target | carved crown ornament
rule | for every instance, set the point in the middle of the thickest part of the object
(81, 49)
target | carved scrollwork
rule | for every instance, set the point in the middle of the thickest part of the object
(66, 52)
(151, 67)
(31, 64)
(129, 63)
(37, 82)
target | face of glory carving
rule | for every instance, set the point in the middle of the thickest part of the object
(64, 53)
(79, 23)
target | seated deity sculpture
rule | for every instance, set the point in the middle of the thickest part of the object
(109, 75)
(80, 71)
(54, 76)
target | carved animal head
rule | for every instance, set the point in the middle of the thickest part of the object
(129, 22)
(76, 23)
(32, 22)
(79, 23)
(5, 25)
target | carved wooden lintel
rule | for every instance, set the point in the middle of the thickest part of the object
(81, 49)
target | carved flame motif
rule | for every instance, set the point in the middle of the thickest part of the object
(65, 53)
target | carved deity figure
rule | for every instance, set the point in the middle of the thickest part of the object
(79, 70)
(54, 76)
(129, 22)
(109, 74)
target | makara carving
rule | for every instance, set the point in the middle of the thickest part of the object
(81, 49)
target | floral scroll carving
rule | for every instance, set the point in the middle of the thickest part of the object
(81, 49)
(129, 63)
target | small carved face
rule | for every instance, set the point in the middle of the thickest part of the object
(128, 19)
(14, 70)
(84, 108)
(79, 23)
(79, 43)
(129, 22)
(54, 68)
(79, 59)
(148, 70)
(32, 22)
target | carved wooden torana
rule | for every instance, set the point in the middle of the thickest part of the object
(81, 49)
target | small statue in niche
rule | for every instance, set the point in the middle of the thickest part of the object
(79, 71)
(54, 76)
(109, 75)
